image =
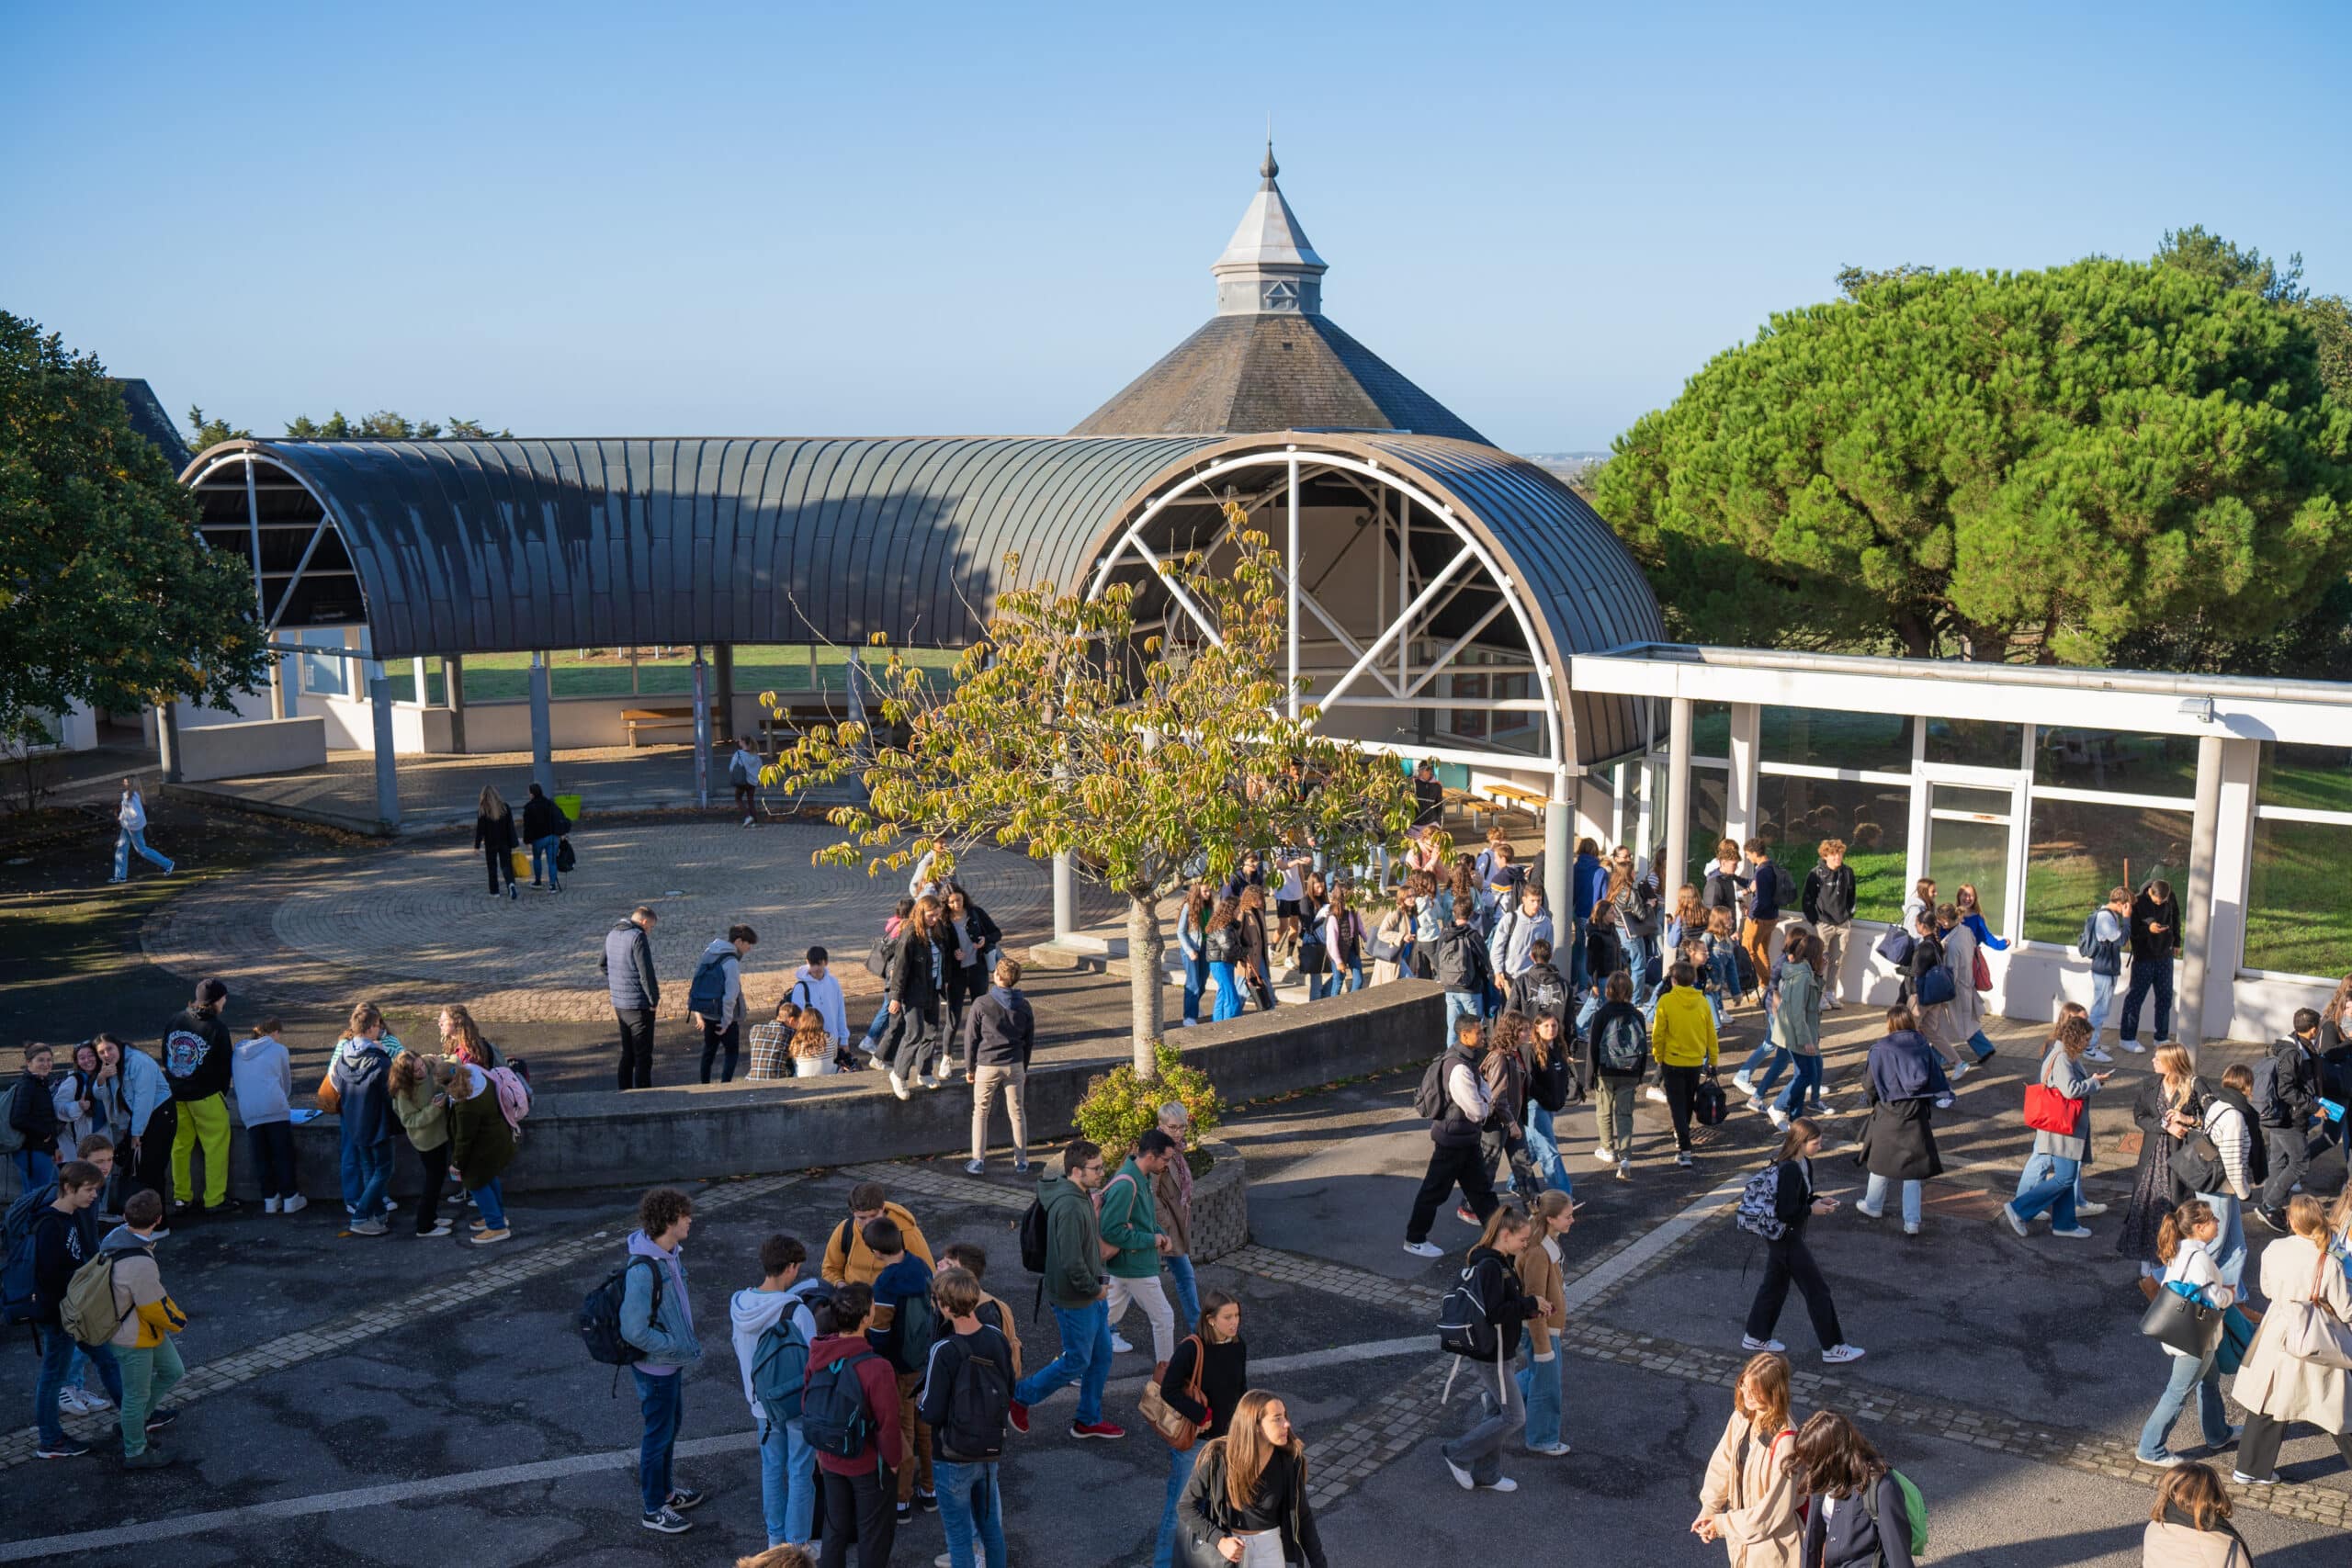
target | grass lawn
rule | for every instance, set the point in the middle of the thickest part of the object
(493, 677)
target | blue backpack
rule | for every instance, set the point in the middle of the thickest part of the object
(707, 992)
(16, 1255)
(834, 1416)
(780, 1363)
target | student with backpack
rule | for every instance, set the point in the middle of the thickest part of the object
(482, 1142)
(1768, 888)
(33, 1119)
(2101, 941)
(1455, 1099)
(1204, 1383)
(2240, 1167)
(1775, 1207)
(1749, 1499)
(1619, 1042)
(1860, 1511)
(1071, 1283)
(2286, 1100)
(715, 999)
(775, 1328)
(965, 1399)
(145, 1317)
(849, 1413)
(1682, 1038)
(1480, 1321)
(1463, 966)
(657, 1319)
(1171, 1201)
(62, 1239)
(902, 1329)
(848, 1260)
(1551, 1078)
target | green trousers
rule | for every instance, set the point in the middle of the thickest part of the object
(147, 1376)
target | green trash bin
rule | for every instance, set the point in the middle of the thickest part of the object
(570, 805)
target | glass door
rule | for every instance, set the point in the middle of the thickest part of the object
(1969, 840)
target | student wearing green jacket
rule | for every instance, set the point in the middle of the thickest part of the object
(1130, 1222)
(1073, 1286)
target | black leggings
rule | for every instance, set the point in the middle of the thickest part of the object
(1681, 1087)
(500, 862)
(1790, 1260)
(435, 1164)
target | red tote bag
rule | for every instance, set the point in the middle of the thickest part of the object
(2047, 1111)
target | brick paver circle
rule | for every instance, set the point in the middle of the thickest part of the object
(414, 924)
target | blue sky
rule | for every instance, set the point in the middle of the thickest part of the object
(629, 220)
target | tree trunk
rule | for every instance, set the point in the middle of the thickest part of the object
(1144, 950)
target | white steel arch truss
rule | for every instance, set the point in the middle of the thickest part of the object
(1407, 689)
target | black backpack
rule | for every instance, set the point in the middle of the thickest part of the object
(600, 1316)
(1464, 1327)
(1033, 1232)
(978, 1403)
(1430, 1100)
(1618, 1047)
(834, 1416)
(877, 958)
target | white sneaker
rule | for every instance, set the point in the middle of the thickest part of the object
(1624, 1170)
(1424, 1249)
(747, 821)
(1956, 1072)
(2102, 1053)
(1500, 1484)
(2131, 1045)
(1549, 1451)
(2017, 1223)
(1119, 1346)
(899, 1085)
(1603, 1156)
(1191, 1023)
(1746, 1084)
(2089, 1211)
(269, 1206)
(2080, 1233)
(1873, 1213)
(1754, 1346)
(1910, 1230)
(1839, 1355)
(70, 1401)
(1461, 1476)
(1779, 1117)
(294, 1205)
(1658, 1095)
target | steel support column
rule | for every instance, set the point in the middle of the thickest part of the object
(453, 690)
(1559, 857)
(1677, 795)
(1065, 898)
(2196, 904)
(388, 782)
(542, 729)
(1292, 587)
(702, 729)
(722, 676)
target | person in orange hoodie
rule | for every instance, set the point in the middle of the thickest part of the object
(859, 1487)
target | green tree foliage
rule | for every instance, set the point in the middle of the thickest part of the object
(2329, 316)
(381, 425)
(106, 595)
(211, 433)
(2038, 463)
(1065, 729)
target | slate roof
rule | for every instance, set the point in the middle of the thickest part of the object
(1241, 373)
(148, 418)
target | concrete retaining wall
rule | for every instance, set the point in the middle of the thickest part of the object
(715, 1129)
(258, 746)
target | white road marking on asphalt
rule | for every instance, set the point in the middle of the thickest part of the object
(1623, 1265)
(546, 1470)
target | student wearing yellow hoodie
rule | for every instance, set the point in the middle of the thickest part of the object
(1682, 1038)
(142, 1344)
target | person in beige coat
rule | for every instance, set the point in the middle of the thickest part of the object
(1749, 1500)
(2190, 1527)
(2278, 1389)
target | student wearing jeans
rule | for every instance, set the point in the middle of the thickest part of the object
(1171, 1197)
(666, 1334)
(1073, 1287)
(2062, 1070)
(1905, 1082)
(971, 1508)
(1540, 1278)
(1475, 1458)
(787, 1464)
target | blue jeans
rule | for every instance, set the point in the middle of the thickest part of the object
(2102, 1003)
(1085, 1360)
(1576, 955)
(131, 839)
(34, 1169)
(367, 1178)
(57, 1348)
(1805, 1081)
(1229, 994)
(1639, 951)
(2148, 973)
(1539, 1387)
(787, 1483)
(2229, 1247)
(969, 1506)
(2037, 1170)
(1874, 1197)
(1187, 1292)
(1461, 1004)
(1765, 1052)
(663, 1401)
(2188, 1373)
(1196, 980)
(1180, 1470)
(1724, 963)
(491, 1198)
(1982, 1046)
(543, 851)
(874, 1030)
(2055, 1193)
(1543, 1149)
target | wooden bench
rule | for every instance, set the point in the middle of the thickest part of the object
(636, 719)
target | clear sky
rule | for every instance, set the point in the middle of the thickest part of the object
(608, 220)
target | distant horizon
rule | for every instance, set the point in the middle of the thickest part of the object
(749, 220)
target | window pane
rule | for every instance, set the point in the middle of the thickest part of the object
(1710, 804)
(2298, 920)
(2317, 778)
(1873, 818)
(322, 675)
(1974, 853)
(1975, 742)
(1710, 729)
(2079, 849)
(2106, 758)
(1960, 797)
(1820, 738)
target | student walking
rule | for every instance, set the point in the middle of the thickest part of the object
(2242, 1168)
(481, 1141)
(149, 1363)
(130, 833)
(2169, 1109)
(1749, 1499)
(544, 826)
(262, 1077)
(1171, 1200)
(2104, 949)
(999, 1032)
(1491, 1278)
(63, 1237)
(1767, 890)
(1682, 1038)
(1829, 903)
(2286, 1100)
(915, 988)
(2155, 937)
(774, 1317)
(1456, 1158)
(418, 1085)
(2190, 1527)
(1964, 1015)
(852, 1404)
(359, 1076)
(1246, 1504)
(715, 999)
(1796, 1013)
(2278, 1389)
(1133, 1242)
(494, 837)
(1856, 1514)
(1205, 1383)
(1550, 1079)
(1225, 947)
(1788, 1259)
(965, 1396)
(1540, 1280)
(1905, 1084)
(1463, 966)
(1072, 1284)
(657, 1317)
(200, 1062)
(2184, 1240)
(743, 772)
(970, 937)
(636, 992)
(1619, 1043)
(2058, 1151)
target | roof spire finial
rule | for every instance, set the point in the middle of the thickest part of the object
(1269, 169)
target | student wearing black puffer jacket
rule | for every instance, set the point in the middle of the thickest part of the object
(910, 1043)
(1475, 1458)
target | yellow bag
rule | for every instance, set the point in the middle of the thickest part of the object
(522, 862)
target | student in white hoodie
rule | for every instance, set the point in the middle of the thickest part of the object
(815, 985)
(261, 1076)
(787, 1464)
(130, 819)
